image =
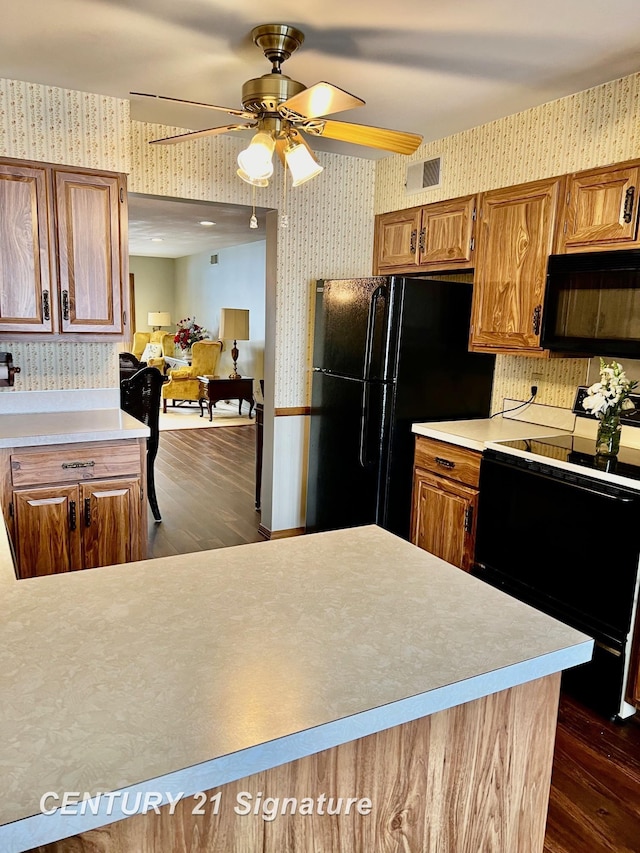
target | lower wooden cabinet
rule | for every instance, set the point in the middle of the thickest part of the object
(445, 497)
(91, 521)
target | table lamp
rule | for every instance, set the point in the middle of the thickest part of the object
(234, 326)
(157, 319)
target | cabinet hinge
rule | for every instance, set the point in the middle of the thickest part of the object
(472, 244)
(473, 215)
(468, 519)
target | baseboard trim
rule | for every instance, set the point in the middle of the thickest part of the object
(292, 410)
(280, 534)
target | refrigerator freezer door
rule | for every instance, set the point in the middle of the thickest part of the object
(344, 452)
(351, 327)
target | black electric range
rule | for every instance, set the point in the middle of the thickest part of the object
(555, 528)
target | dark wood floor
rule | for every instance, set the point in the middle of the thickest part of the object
(595, 791)
(205, 487)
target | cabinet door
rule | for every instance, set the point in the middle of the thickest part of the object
(444, 518)
(446, 233)
(514, 240)
(25, 275)
(396, 239)
(110, 522)
(601, 210)
(46, 530)
(89, 247)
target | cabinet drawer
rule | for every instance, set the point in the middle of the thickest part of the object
(448, 460)
(72, 463)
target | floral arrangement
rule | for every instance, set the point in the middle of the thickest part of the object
(607, 399)
(189, 333)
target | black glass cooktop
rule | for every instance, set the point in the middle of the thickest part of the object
(580, 451)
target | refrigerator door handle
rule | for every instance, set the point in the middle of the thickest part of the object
(377, 294)
(364, 427)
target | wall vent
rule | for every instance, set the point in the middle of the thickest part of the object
(424, 175)
(214, 259)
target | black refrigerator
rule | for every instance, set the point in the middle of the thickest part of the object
(388, 351)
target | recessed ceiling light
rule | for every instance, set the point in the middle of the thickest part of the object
(156, 240)
(206, 222)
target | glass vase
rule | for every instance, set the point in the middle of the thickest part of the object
(608, 437)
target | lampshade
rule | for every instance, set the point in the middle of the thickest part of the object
(234, 324)
(159, 318)
(302, 164)
(256, 159)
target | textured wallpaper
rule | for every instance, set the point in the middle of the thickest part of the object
(591, 128)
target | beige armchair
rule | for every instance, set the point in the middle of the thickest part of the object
(183, 382)
(165, 339)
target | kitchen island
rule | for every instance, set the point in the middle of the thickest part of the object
(344, 664)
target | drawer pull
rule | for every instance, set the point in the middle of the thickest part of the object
(628, 205)
(446, 463)
(66, 465)
(45, 305)
(87, 512)
(65, 304)
(72, 515)
(468, 519)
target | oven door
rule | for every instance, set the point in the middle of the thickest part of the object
(566, 545)
(561, 542)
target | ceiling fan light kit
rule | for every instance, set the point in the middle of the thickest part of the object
(279, 108)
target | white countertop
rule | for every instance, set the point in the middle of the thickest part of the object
(29, 418)
(187, 672)
(475, 434)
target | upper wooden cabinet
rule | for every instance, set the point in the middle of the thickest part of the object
(26, 278)
(434, 237)
(515, 237)
(600, 210)
(63, 252)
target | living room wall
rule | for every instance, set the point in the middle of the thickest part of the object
(237, 280)
(155, 284)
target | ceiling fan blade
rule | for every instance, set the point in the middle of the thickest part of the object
(397, 141)
(196, 134)
(228, 110)
(320, 100)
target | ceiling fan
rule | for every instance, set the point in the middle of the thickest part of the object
(279, 108)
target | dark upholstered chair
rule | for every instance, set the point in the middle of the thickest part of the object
(129, 365)
(140, 397)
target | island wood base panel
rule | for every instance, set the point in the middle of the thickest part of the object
(471, 778)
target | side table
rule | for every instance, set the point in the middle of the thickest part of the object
(215, 388)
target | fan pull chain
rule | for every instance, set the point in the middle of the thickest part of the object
(253, 222)
(284, 216)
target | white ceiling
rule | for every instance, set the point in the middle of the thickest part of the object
(428, 66)
(168, 228)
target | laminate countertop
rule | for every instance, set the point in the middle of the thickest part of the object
(475, 434)
(39, 418)
(183, 673)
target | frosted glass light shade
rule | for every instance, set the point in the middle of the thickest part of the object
(234, 324)
(159, 318)
(302, 164)
(256, 159)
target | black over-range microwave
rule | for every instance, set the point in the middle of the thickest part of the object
(592, 304)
